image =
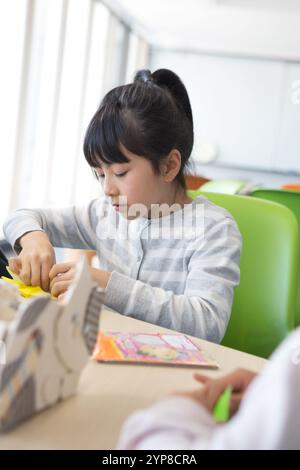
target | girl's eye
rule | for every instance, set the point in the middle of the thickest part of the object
(119, 175)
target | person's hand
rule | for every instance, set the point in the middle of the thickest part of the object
(239, 380)
(212, 389)
(35, 260)
(201, 395)
(61, 277)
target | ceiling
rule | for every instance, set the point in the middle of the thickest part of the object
(268, 28)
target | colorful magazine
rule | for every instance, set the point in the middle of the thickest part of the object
(150, 348)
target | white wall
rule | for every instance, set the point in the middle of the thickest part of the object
(242, 106)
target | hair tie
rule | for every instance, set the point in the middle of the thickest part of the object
(144, 76)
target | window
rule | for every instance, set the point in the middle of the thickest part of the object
(62, 57)
(13, 13)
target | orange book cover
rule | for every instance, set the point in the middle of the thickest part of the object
(150, 348)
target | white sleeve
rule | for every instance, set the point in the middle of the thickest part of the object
(174, 423)
(269, 417)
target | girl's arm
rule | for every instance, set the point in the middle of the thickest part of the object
(203, 310)
(34, 232)
(269, 416)
(73, 227)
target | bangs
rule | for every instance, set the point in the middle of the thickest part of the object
(103, 138)
(113, 125)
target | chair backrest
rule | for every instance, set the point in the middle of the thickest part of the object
(223, 186)
(194, 182)
(290, 199)
(264, 302)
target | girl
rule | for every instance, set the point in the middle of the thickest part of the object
(164, 258)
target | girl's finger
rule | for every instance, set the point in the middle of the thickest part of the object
(58, 269)
(60, 288)
(214, 391)
(201, 378)
(25, 273)
(15, 265)
(35, 268)
(68, 276)
(45, 270)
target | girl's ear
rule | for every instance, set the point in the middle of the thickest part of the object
(171, 166)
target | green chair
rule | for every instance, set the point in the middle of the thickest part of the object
(223, 186)
(290, 199)
(264, 302)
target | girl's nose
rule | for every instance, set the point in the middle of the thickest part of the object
(109, 188)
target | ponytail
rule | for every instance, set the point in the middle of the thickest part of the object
(167, 79)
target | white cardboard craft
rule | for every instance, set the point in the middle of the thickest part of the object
(47, 345)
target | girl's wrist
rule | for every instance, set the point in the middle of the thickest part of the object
(100, 277)
(34, 236)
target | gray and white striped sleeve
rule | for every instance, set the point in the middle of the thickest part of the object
(71, 227)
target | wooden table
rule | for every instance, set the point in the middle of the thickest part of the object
(108, 393)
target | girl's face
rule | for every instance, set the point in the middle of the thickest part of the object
(135, 182)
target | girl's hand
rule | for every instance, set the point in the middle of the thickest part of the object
(239, 380)
(212, 389)
(61, 277)
(35, 260)
(202, 396)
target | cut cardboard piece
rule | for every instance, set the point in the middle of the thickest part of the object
(47, 345)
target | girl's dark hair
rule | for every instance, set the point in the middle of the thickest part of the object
(149, 117)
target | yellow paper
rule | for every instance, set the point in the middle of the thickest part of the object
(27, 291)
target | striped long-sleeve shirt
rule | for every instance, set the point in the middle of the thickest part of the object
(177, 271)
